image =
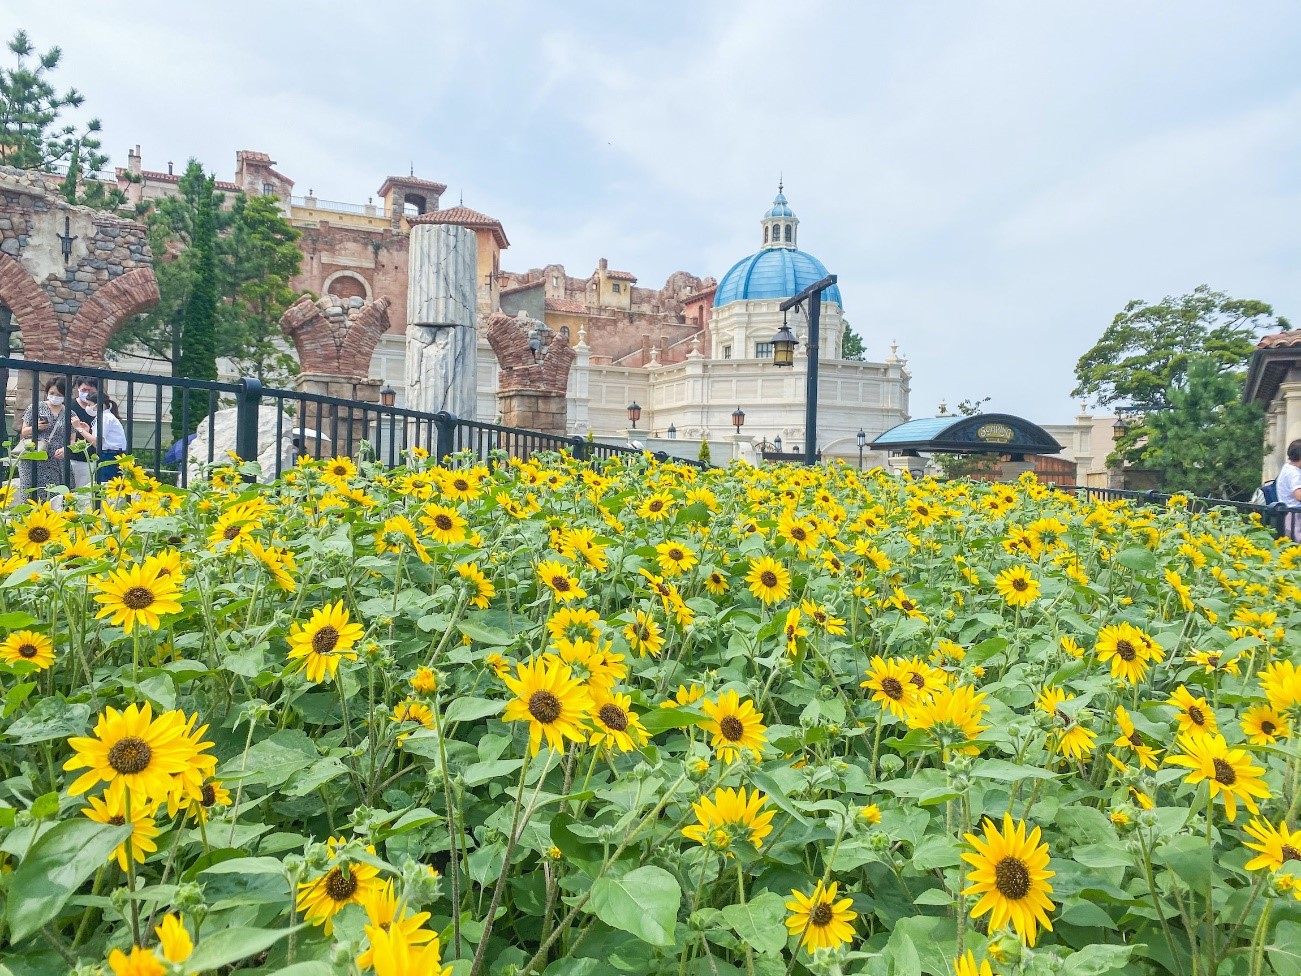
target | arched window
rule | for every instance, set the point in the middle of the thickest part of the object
(564, 332)
(765, 233)
(788, 233)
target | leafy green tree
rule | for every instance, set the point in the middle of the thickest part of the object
(1188, 442)
(851, 345)
(31, 136)
(197, 359)
(1144, 356)
(262, 259)
(704, 454)
(967, 465)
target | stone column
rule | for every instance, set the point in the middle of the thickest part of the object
(579, 393)
(442, 345)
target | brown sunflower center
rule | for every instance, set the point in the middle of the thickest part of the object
(1126, 650)
(1290, 853)
(1012, 878)
(892, 687)
(1196, 715)
(821, 915)
(138, 597)
(917, 680)
(118, 821)
(460, 484)
(443, 522)
(798, 534)
(560, 583)
(130, 755)
(1135, 739)
(676, 555)
(907, 605)
(1020, 584)
(232, 532)
(340, 886)
(768, 578)
(1266, 725)
(655, 505)
(544, 706)
(731, 727)
(208, 795)
(325, 640)
(1225, 774)
(27, 650)
(613, 717)
(38, 533)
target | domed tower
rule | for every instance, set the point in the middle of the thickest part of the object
(780, 225)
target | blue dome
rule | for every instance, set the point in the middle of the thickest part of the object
(780, 208)
(775, 272)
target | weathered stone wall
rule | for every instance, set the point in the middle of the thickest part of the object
(68, 309)
(379, 259)
(530, 393)
(336, 336)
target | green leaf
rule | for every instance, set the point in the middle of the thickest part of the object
(570, 844)
(231, 945)
(476, 774)
(1008, 772)
(760, 922)
(1097, 960)
(57, 865)
(1138, 559)
(316, 967)
(50, 718)
(484, 634)
(644, 902)
(246, 866)
(906, 960)
(1285, 952)
(318, 774)
(469, 709)
(657, 720)
(273, 760)
(15, 696)
(45, 806)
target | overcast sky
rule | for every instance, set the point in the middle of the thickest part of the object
(992, 182)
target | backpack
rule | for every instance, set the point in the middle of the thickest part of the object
(1270, 491)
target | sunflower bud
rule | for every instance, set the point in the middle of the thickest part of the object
(891, 765)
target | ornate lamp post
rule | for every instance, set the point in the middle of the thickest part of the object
(861, 437)
(777, 443)
(672, 432)
(388, 396)
(634, 413)
(738, 419)
(783, 354)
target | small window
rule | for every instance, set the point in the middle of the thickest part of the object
(727, 352)
(268, 189)
(564, 332)
(763, 350)
(614, 287)
(765, 234)
(788, 233)
(555, 281)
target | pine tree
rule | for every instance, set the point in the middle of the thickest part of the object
(198, 335)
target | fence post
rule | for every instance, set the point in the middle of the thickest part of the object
(1278, 518)
(446, 423)
(247, 405)
(580, 448)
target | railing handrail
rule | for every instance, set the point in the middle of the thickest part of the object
(339, 206)
(1273, 515)
(121, 376)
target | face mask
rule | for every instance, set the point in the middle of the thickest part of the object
(54, 400)
(83, 396)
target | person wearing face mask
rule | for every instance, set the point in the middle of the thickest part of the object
(84, 389)
(46, 423)
(104, 434)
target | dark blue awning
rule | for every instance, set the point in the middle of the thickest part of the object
(983, 433)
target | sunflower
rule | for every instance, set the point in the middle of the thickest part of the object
(1281, 682)
(143, 827)
(793, 631)
(729, 817)
(952, 715)
(461, 486)
(1010, 873)
(1227, 772)
(889, 684)
(445, 525)
(820, 920)
(27, 647)
(551, 700)
(769, 580)
(137, 594)
(413, 711)
(141, 962)
(347, 883)
(197, 804)
(424, 682)
(582, 542)
(685, 696)
(644, 635)
(1130, 739)
(965, 965)
(385, 912)
(656, 506)
(799, 532)
(41, 528)
(675, 558)
(1017, 587)
(615, 723)
(325, 640)
(234, 526)
(735, 726)
(1194, 714)
(338, 471)
(397, 534)
(1123, 645)
(133, 752)
(1263, 726)
(278, 562)
(395, 953)
(909, 607)
(1276, 845)
(482, 588)
(173, 939)
(870, 814)
(823, 617)
(556, 576)
(574, 625)
(1075, 741)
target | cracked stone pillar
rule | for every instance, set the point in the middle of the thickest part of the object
(442, 293)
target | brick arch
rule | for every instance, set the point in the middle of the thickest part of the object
(128, 294)
(335, 348)
(19, 291)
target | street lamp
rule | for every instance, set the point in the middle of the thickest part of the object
(861, 437)
(777, 443)
(1120, 428)
(673, 433)
(388, 396)
(634, 413)
(738, 419)
(783, 346)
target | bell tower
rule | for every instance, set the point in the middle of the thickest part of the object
(780, 225)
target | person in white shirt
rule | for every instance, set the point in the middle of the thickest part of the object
(1288, 486)
(107, 434)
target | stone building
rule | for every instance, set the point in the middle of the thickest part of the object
(1274, 381)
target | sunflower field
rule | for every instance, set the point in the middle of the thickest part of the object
(630, 717)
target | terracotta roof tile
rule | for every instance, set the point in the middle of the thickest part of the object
(390, 181)
(1280, 339)
(176, 178)
(621, 275)
(464, 217)
(565, 305)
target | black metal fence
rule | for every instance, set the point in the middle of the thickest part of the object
(159, 415)
(1274, 516)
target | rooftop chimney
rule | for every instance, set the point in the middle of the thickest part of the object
(169, 168)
